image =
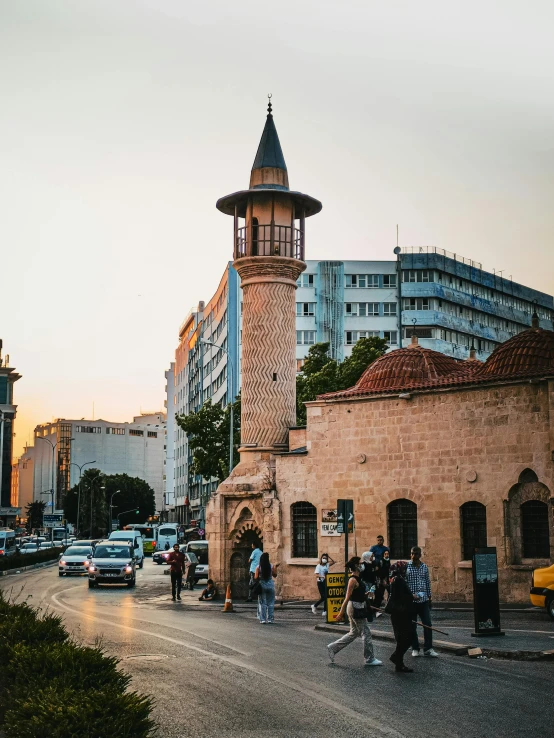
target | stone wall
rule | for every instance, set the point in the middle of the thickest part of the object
(437, 449)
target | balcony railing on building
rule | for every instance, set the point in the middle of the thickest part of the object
(269, 240)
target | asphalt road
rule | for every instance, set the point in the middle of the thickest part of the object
(216, 674)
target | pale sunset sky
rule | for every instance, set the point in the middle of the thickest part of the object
(124, 121)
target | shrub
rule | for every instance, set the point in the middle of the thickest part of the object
(18, 561)
(74, 713)
(60, 665)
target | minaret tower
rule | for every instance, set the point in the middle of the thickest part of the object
(268, 243)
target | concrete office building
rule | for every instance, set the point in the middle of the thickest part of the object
(169, 445)
(136, 449)
(8, 377)
(23, 479)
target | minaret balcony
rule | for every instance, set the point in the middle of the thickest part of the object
(269, 240)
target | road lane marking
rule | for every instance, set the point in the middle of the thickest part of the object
(287, 683)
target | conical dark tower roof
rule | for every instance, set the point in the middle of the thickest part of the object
(270, 153)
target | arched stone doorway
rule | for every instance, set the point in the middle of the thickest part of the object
(242, 548)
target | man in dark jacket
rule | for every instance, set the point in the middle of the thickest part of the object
(176, 560)
(400, 608)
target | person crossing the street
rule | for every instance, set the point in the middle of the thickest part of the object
(419, 582)
(176, 561)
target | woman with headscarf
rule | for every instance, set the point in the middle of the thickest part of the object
(400, 608)
(265, 574)
(355, 607)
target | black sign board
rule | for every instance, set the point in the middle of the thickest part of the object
(486, 605)
(345, 516)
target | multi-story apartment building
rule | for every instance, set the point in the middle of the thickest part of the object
(169, 446)
(450, 301)
(8, 377)
(23, 479)
(61, 447)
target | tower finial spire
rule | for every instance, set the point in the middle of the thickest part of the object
(269, 106)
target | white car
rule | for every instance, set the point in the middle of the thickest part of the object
(29, 548)
(74, 560)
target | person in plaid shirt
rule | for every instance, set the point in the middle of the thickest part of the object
(419, 582)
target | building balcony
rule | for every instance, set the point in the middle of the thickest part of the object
(269, 240)
(455, 323)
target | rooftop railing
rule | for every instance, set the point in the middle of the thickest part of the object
(441, 252)
(269, 240)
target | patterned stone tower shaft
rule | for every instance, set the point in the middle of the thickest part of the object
(268, 348)
(268, 246)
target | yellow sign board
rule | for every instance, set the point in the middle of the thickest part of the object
(336, 592)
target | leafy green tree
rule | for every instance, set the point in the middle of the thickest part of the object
(321, 374)
(208, 437)
(34, 512)
(93, 512)
(133, 494)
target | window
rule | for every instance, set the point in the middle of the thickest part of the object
(115, 431)
(133, 432)
(305, 280)
(305, 338)
(299, 364)
(417, 275)
(417, 303)
(88, 429)
(305, 309)
(473, 520)
(351, 337)
(389, 308)
(362, 309)
(402, 519)
(304, 531)
(362, 280)
(534, 530)
(389, 280)
(154, 434)
(391, 337)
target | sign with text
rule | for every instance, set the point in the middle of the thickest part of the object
(336, 592)
(52, 520)
(486, 603)
(329, 523)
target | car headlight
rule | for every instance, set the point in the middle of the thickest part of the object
(63, 563)
(128, 569)
(92, 567)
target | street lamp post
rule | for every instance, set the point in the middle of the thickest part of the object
(80, 467)
(52, 489)
(134, 509)
(230, 394)
(111, 507)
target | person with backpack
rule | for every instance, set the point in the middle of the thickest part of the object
(400, 608)
(355, 607)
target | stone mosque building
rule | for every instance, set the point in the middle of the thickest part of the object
(448, 454)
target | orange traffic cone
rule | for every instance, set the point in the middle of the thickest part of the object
(228, 606)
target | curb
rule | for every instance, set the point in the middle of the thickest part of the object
(28, 568)
(458, 649)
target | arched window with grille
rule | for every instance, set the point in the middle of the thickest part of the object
(535, 537)
(402, 520)
(473, 519)
(304, 531)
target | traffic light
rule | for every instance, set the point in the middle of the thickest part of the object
(137, 512)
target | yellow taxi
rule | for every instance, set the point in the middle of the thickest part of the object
(542, 589)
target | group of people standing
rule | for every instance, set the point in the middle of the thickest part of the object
(409, 597)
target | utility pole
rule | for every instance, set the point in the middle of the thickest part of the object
(80, 467)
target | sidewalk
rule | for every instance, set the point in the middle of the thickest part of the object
(527, 638)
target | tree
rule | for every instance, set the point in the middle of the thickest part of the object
(35, 512)
(134, 494)
(208, 436)
(321, 374)
(93, 504)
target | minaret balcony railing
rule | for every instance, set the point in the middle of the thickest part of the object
(269, 240)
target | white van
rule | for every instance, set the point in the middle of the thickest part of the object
(135, 538)
(168, 535)
(7, 542)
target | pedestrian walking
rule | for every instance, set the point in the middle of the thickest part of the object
(383, 582)
(265, 574)
(400, 608)
(321, 570)
(355, 607)
(253, 561)
(176, 561)
(419, 581)
(368, 575)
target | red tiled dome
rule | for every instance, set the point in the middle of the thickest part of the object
(529, 352)
(404, 367)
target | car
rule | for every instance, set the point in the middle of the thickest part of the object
(88, 542)
(200, 550)
(135, 539)
(48, 544)
(159, 557)
(74, 560)
(113, 562)
(29, 548)
(542, 589)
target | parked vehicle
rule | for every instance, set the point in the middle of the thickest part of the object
(113, 562)
(542, 589)
(134, 538)
(148, 533)
(200, 549)
(160, 557)
(74, 560)
(7, 542)
(168, 534)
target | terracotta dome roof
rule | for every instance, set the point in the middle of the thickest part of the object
(530, 352)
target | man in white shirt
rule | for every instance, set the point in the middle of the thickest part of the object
(254, 560)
